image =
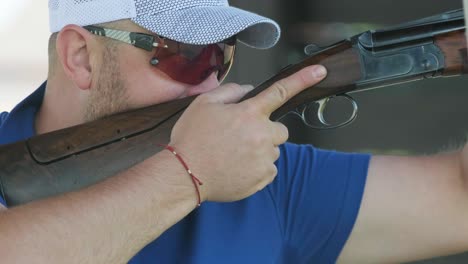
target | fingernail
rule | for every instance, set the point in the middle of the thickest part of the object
(319, 71)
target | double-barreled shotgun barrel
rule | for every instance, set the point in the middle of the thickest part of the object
(76, 157)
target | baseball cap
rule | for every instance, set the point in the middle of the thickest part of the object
(189, 21)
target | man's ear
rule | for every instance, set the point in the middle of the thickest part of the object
(73, 50)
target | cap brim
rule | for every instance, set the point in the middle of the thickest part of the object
(207, 25)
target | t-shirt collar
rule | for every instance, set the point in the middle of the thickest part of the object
(20, 122)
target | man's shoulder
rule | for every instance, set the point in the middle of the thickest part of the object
(320, 192)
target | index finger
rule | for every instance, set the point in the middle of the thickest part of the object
(280, 92)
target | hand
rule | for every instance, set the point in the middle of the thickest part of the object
(231, 147)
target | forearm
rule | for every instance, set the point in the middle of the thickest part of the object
(106, 223)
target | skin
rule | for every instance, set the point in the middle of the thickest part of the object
(413, 207)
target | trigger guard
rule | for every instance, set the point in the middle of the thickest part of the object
(322, 106)
(355, 109)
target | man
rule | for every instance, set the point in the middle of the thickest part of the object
(321, 207)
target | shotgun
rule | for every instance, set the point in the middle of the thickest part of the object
(76, 157)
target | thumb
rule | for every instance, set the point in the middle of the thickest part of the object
(229, 93)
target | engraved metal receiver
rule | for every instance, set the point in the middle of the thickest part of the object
(403, 53)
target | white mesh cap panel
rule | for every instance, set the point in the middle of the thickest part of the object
(211, 24)
(188, 21)
(160, 6)
(88, 12)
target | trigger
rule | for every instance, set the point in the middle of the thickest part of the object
(322, 105)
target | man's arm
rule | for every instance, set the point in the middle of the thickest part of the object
(106, 223)
(413, 208)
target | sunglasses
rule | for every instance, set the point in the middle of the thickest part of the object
(185, 63)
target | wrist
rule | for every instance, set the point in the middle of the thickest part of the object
(178, 177)
(197, 183)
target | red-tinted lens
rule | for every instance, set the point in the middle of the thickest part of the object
(192, 64)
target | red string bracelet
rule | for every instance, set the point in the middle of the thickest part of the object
(195, 180)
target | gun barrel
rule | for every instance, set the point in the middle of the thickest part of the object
(415, 31)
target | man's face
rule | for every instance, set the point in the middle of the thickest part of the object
(126, 80)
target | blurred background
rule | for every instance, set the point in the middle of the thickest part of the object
(23, 55)
(416, 118)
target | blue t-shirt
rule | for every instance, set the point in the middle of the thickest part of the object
(305, 216)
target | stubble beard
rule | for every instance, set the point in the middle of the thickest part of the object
(109, 96)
